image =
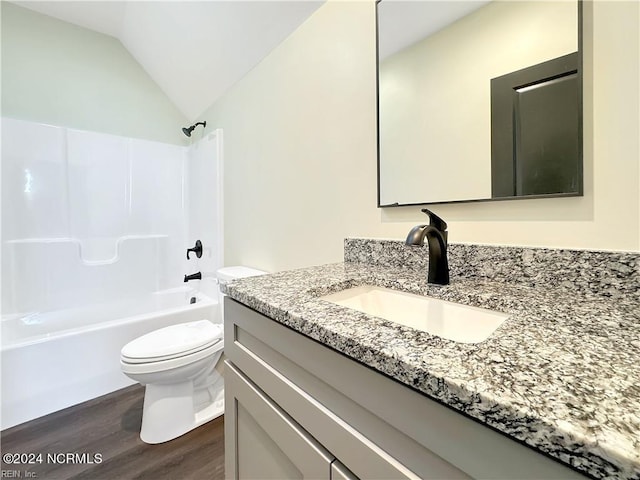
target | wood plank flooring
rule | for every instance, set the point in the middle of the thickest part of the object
(110, 426)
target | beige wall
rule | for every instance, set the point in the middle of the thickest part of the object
(60, 74)
(300, 150)
(300, 144)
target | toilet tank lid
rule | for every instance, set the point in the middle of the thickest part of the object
(227, 274)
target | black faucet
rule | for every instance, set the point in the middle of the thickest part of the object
(193, 276)
(436, 235)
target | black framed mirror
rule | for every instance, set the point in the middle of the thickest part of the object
(478, 101)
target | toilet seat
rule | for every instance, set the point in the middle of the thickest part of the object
(172, 342)
(154, 366)
(160, 358)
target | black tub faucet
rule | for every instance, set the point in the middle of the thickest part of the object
(193, 276)
(436, 235)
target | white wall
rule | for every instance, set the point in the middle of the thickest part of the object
(300, 150)
(60, 74)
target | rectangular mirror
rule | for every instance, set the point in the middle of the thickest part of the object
(478, 100)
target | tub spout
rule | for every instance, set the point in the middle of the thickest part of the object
(193, 276)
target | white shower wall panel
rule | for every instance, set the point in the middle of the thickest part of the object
(158, 204)
(157, 201)
(98, 184)
(87, 216)
(57, 280)
(34, 179)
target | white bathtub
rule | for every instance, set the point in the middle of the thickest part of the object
(53, 360)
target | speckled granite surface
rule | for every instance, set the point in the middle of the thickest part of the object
(562, 374)
(609, 274)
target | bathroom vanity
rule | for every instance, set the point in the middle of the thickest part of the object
(320, 390)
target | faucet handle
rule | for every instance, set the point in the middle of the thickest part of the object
(197, 249)
(435, 220)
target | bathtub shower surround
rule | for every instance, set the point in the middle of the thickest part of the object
(91, 222)
(559, 375)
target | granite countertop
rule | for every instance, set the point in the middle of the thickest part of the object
(562, 374)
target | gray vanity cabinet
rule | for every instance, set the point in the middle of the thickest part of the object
(298, 409)
(269, 443)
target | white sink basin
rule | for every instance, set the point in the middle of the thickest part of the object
(452, 321)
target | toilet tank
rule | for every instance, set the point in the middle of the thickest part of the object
(226, 274)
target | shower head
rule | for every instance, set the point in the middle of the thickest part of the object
(187, 130)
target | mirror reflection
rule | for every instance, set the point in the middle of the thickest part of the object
(461, 83)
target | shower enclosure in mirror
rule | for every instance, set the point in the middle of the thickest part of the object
(478, 100)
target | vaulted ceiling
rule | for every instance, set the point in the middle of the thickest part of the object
(194, 50)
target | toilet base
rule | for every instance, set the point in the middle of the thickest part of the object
(169, 411)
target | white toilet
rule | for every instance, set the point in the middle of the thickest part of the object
(177, 366)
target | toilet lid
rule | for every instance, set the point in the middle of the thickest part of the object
(174, 340)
